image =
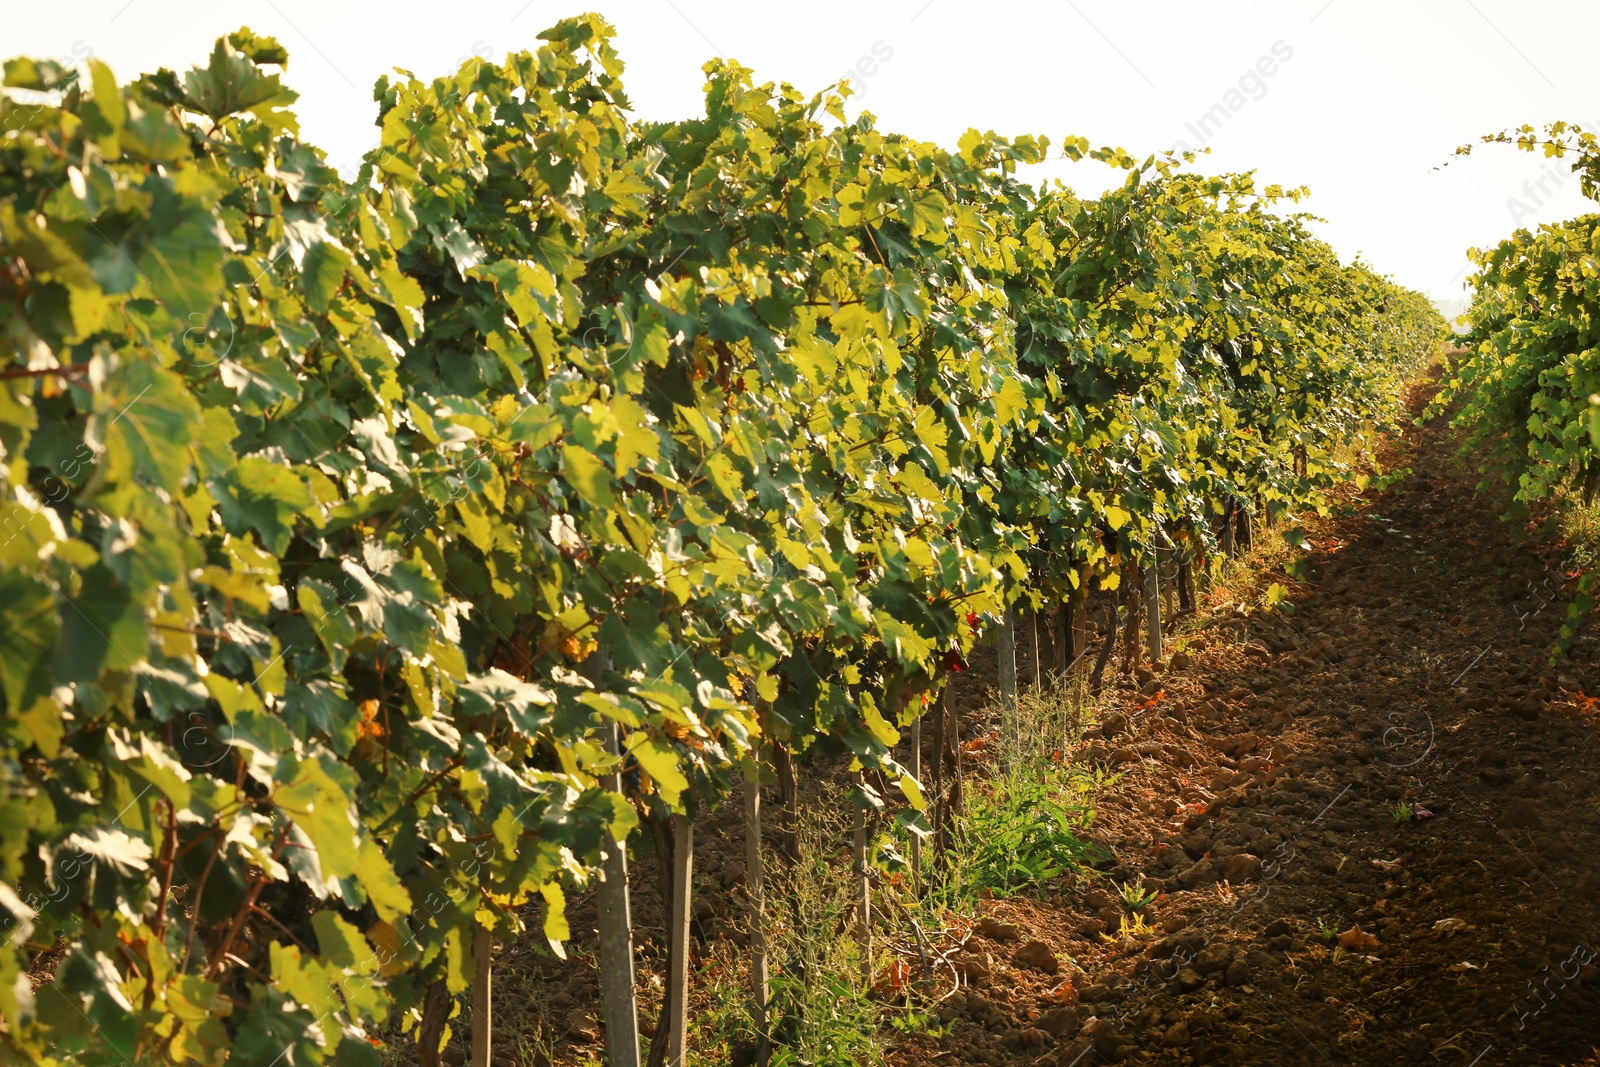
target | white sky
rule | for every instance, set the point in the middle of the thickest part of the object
(1375, 95)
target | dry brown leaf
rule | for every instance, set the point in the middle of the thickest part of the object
(1064, 993)
(1033, 1037)
(1355, 938)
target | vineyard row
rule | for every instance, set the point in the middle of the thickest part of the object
(381, 555)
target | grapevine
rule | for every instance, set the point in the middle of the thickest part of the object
(380, 553)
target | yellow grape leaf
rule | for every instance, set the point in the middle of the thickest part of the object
(661, 764)
(588, 475)
(913, 792)
(556, 929)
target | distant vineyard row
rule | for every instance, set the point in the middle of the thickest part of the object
(1527, 388)
(378, 554)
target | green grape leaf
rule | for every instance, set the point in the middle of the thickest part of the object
(28, 632)
(179, 253)
(263, 496)
(316, 804)
(586, 473)
(231, 83)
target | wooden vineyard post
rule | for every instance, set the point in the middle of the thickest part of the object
(1039, 631)
(1035, 648)
(952, 734)
(1006, 654)
(482, 1008)
(677, 1011)
(916, 772)
(1247, 539)
(1065, 631)
(619, 1001)
(863, 894)
(755, 883)
(1227, 530)
(1152, 607)
(939, 837)
(789, 794)
(1168, 588)
(666, 866)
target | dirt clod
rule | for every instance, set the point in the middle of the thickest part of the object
(996, 930)
(1037, 956)
(1241, 868)
(1202, 873)
(1059, 1021)
(1033, 1037)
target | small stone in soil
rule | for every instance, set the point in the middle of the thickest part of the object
(582, 1028)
